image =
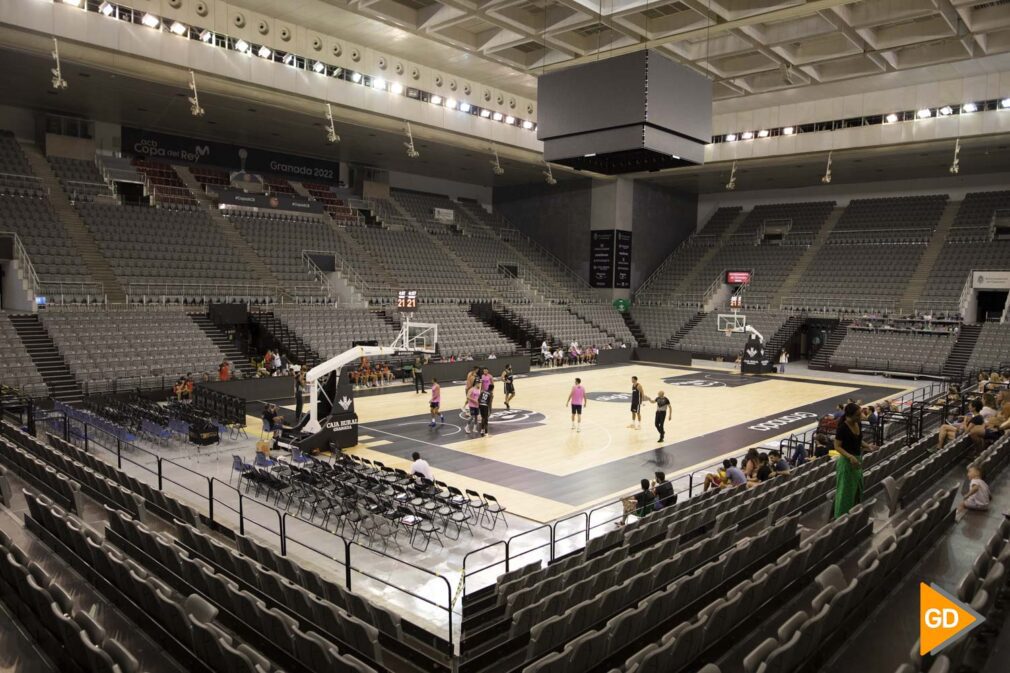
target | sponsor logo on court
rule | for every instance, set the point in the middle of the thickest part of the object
(942, 619)
(609, 397)
(508, 416)
(694, 383)
(776, 423)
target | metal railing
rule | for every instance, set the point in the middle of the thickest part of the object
(201, 293)
(836, 305)
(344, 268)
(225, 506)
(25, 262)
(574, 277)
(320, 276)
(71, 292)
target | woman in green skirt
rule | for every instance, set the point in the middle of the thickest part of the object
(849, 465)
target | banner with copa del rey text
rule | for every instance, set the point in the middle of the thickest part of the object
(298, 204)
(990, 280)
(180, 149)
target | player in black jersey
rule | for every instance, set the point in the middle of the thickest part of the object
(510, 389)
(637, 397)
(484, 404)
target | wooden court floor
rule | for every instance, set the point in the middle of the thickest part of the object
(542, 469)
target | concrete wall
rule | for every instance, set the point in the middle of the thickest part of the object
(662, 219)
(452, 189)
(558, 217)
(20, 121)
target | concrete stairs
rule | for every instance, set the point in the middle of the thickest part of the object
(783, 336)
(47, 359)
(682, 332)
(635, 329)
(917, 282)
(94, 262)
(230, 233)
(238, 359)
(279, 336)
(789, 285)
(703, 263)
(820, 360)
(957, 362)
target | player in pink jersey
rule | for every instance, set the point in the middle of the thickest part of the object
(577, 398)
(473, 405)
(436, 402)
(485, 380)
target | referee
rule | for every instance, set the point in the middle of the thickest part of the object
(664, 412)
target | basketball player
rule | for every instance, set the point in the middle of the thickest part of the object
(485, 379)
(472, 377)
(510, 389)
(484, 404)
(637, 397)
(436, 402)
(664, 412)
(577, 398)
(473, 405)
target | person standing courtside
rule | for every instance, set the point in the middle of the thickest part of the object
(510, 389)
(473, 406)
(664, 412)
(637, 397)
(436, 402)
(577, 398)
(418, 375)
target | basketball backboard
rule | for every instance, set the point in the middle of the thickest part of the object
(418, 337)
(731, 322)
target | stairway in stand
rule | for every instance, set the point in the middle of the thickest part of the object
(635, 330)
(820, 361)
(682, 332)
(289, 343)
(783, 336)
(236, 357)
(957, 361)
(91, 257)
(54, 370)
(917, 281)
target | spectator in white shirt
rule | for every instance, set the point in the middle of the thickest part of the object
(421, 467)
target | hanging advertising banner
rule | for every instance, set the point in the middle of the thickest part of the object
(179, 149)
(601, 258)
(991, 280)
(231, 197)
(622, 260)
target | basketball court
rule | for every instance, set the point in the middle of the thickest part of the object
(541, 469)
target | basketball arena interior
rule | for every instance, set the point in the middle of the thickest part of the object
(426, 336)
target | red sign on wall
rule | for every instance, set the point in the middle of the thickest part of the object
(737, 277)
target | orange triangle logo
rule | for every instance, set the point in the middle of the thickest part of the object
(942, 619)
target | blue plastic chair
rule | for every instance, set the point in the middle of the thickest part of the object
(298, 457)
(240, 466)
(263, 461)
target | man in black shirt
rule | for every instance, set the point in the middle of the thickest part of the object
(484, 404)
(663, 412)
(663, 489)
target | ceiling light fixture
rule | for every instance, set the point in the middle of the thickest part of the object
(956, 165)
(969, 108)
(206, 36)
(946, 110)
(57, 72)
(378, 83)
(510, 120)
(788, 131)
(731, 185)
(289, 59)
(319, 67)
(411, 150)
(451, 103)
(498, 116)
(763, 133)
(194, 100)
(178, 28)
(331, 128)
(396, 88)
(826, 179)
(747, 135)
(924, 113)
(464, 107)
(106, 8)
(355, 77)
(485, 113)
(1005, 103)
(243, 47)
(151, 21)
(435, 100)
(72, 3)
(264, 52)
(495, 163)
(891, 118)
(527, 125)
(730, 137)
